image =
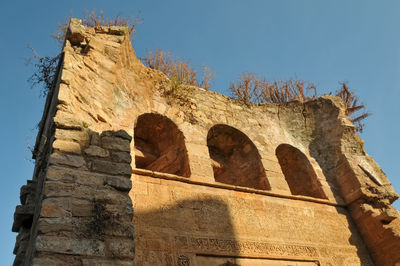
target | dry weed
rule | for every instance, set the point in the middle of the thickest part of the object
(178, 70)
(250, 88)
(356, 112)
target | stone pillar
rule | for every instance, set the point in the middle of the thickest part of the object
(84, 213)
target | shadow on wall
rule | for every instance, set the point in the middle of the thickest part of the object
(327, 157)
(235, 158)
(298, 172)
(185, 233)
(160, 145)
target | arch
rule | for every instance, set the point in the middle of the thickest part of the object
(160, 145)
(298, 172)
(235, 159)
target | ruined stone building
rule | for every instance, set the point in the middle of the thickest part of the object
(131, 170)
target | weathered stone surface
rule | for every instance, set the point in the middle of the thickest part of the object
(58, 189)
(121, 248)
(23, 214)
(67, 146)
(82, 208)
(115, 143)
(67, 245)
(122, 230)
(67, 160)
(102, 262)
(95, 139)
(27, 190)
(68, 175)
(67, 122)
(56, 208)
(96, 151)
(120, 183)
(80, 136)
(122, 157)
(56, 260)
(47, 225)
(120, 133)
(76, 32)
(111, 167)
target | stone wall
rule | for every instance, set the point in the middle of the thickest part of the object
(211, 180)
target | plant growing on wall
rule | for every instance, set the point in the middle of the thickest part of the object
(178, 70)
(251, 88)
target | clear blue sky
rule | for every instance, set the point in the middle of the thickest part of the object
(321, 41)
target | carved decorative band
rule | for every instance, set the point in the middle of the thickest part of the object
(228, 246)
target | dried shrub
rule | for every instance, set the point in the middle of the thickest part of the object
(178, 70)
(44, 73)
(91, 19)
(356, 112)
(251, 88)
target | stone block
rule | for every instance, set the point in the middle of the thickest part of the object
(27, 190)
(58, 189)
(57, 173)
(118, 30)
(95, 139)
(80, 136)
(96, 44)
(22, 216)
(115, 143)
(123, 213)
(55, 260)
(96, 151)
(76, 32)
(56, 208)
(120, 133)
(67, 245)
(63, 121)
(121, 248)
(68, 175)
(111, 167)
(121, 157)
(82, 208)
(120, 183)
(112, 196)
(67, 159)
(121, 230)
(47, 225)
(67, 146)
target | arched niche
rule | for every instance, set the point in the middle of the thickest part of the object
(160, 145)
(298, 172)
(235, 159)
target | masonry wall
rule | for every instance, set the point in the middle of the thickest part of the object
(211, 181)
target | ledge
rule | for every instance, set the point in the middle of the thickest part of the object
(160, 175)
